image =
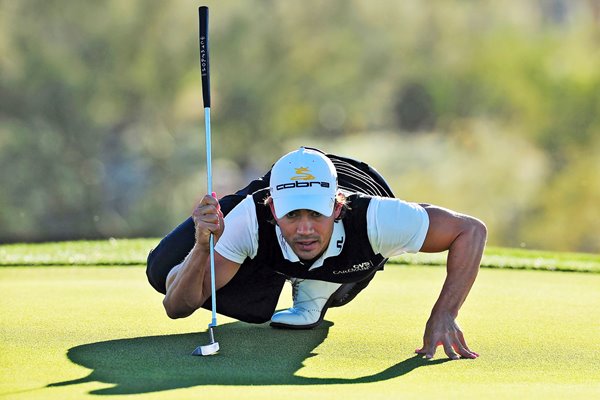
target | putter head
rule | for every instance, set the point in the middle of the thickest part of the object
(208, 350)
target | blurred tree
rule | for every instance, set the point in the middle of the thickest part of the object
(414, 108)
(101, 116)
(81, 85)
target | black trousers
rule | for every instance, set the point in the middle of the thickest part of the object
(253, 293)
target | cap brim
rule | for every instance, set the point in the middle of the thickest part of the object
(321, 204)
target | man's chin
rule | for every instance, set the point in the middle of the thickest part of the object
(307, 257)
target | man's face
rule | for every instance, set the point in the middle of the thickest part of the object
(307, 232)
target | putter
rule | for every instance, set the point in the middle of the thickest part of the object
(213, 346)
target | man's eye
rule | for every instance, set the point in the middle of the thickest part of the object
(316, 214)
(291, 214)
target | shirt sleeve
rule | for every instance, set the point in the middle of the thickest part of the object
(240, 236)
(395, 226)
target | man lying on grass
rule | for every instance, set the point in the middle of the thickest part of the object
(328, 239)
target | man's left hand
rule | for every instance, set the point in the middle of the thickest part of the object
(442, 329)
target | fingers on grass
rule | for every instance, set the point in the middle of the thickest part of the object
(463, 349)
(431, 349)
(428, 350)
(449, 350)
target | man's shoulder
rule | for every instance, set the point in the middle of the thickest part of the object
(245, 210)
(355, 213)
(362, 196)
(251, 201)
(357, 201)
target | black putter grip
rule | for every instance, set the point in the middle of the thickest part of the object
(204, 64)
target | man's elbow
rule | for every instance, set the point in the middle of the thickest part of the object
(175, 312)
(171, 311)
(478, 231)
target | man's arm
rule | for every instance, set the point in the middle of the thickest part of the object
(188, 285)
(464, 237)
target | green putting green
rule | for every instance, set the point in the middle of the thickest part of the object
(75, 332)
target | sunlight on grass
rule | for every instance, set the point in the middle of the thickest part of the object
(102, 331)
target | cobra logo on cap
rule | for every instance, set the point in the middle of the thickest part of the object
(303, 174)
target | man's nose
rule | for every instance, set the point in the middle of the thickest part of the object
(305, 226)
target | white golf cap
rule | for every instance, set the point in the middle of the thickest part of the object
(303, 180)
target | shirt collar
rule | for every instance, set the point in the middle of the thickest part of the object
(336, 244)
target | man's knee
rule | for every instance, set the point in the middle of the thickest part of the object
(156, 279)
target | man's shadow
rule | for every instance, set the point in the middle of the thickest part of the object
(250, 355)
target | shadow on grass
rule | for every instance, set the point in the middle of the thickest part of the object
(250, 355)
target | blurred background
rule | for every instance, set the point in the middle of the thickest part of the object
(489, 108)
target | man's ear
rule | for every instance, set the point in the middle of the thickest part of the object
(272, 207)
(337, 209)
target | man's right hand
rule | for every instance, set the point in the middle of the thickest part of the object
(208, 219)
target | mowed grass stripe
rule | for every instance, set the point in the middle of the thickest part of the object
(135, 251)
(498, 257)
(98, 252)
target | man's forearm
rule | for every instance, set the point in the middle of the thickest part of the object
(464, 257)
(464, 237)
(185, 292)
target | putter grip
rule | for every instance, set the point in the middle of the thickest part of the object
(204, 62)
